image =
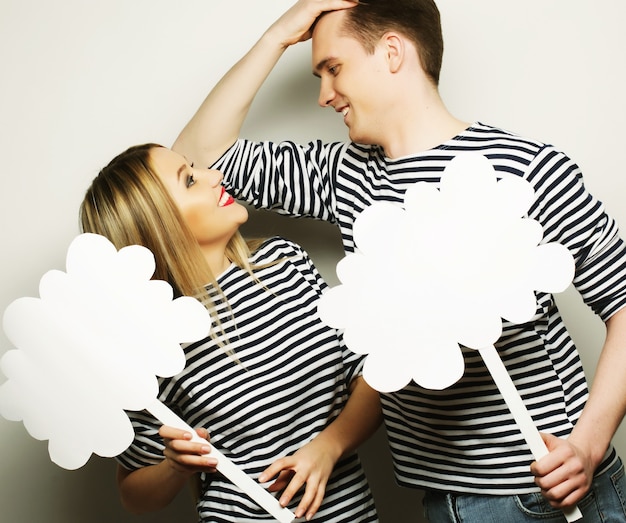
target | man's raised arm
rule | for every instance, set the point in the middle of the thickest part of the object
(216, 124)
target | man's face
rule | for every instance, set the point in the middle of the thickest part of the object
(353, 82)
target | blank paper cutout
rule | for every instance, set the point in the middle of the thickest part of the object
(90, 348)
(442, 271)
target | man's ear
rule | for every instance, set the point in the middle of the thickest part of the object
(395, 49)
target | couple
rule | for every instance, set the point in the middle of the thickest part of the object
(278, 390)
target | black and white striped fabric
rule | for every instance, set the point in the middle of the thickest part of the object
(463, 438)
(285, 380)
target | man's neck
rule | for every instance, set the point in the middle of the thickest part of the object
(422, 126)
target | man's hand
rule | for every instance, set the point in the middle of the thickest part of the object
(565, 474)
(295, 24)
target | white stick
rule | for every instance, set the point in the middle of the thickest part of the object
(226, 466)
(520, 413)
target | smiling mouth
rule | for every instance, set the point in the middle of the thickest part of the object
(343, 110)
(225, 199)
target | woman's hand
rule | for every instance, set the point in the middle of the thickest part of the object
(186, 456)
(153, 487)
(311, 465)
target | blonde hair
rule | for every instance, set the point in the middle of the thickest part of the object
(128, 204)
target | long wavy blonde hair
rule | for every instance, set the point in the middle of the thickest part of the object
(128, 204)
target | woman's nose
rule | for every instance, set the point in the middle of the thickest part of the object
(215, 177)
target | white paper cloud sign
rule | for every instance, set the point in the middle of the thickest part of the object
(450, 265)
(90, 348)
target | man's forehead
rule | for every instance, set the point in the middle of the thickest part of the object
(329, 24)
(339, 48)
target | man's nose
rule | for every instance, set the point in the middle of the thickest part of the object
(327, 94)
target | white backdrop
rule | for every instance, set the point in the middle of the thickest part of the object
(80, 81)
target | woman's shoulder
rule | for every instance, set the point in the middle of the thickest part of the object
(276, 248)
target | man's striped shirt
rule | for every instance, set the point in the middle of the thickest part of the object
(463, 438)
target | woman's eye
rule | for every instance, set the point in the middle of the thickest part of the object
(190, 180)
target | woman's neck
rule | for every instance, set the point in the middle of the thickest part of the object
(217, 260)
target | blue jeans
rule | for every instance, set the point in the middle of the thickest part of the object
(604, 503)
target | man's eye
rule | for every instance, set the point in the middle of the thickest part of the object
(190, 180)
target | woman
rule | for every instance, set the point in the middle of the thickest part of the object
(279, 393)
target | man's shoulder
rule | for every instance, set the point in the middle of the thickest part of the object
(498, 135)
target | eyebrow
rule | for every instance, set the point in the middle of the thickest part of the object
(181, 169)
(321, 66)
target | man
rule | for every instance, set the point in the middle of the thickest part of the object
(379, 63)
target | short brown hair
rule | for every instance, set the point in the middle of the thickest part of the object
(418, 20)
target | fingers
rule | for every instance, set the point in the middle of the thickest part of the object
(318, 7)
(203, 433)
(275, 468)
(563, 474)
(312, 499)
(562, 488)
(288, 479)
(186, 455)
(167, 432)
(291, 480)
(297, 21)
(557, 455)
(282, 481)
(292, 489)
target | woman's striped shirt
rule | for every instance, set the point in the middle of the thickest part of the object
(464, 438)
(290, 380)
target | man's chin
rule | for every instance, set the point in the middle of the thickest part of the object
(357, 137)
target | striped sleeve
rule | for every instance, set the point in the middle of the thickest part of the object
(269, 175)
(570, 215)
(353, 363)
(147, 446)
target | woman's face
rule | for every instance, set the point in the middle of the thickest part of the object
(210, 212)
